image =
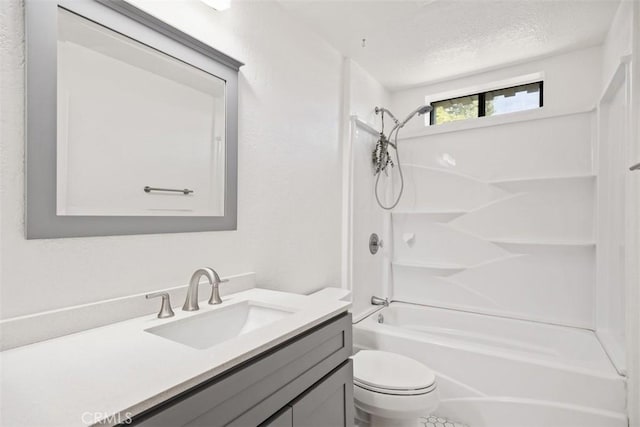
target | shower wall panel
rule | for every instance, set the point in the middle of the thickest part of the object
(614, 159)
(369, 272)
(500, 220)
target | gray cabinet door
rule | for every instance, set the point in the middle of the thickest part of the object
(329, 403)
(284, 418)
(249, 394)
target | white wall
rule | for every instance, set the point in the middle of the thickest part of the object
(289, 173)
(571, 83)
(366, 93)
(498, 212)
(618, 41)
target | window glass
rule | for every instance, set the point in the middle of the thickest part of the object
(491, 103)
(519, 98)
(450, 110)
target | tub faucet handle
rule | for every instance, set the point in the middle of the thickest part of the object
(380, 301)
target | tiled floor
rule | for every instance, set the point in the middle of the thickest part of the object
(435, 421)
(427, 421)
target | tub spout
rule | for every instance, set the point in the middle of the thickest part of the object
(380, 301)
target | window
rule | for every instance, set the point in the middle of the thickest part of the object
(490, 103)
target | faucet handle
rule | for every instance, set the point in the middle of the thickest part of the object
(215, 292)
(165, 308)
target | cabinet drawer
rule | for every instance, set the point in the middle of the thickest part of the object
(249, 394)
(329, 402)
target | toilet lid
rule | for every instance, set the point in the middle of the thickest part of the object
(390, 371)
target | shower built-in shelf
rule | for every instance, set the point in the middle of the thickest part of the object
(533, 242)
(444, 215)
(435, 269)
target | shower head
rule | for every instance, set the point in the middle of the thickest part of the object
(423, 109)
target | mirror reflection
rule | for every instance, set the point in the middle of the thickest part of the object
(139, 133)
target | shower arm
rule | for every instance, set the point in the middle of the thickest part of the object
(383, 110)
(397, 123)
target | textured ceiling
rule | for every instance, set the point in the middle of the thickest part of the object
(409, 42)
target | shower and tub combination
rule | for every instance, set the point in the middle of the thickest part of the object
(487, 296)
(391, 389)
(500, 372)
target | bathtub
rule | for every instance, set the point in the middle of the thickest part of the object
(499, 372)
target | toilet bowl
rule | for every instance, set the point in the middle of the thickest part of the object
(392, 390)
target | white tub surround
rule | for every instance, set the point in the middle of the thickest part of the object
(367, 274)
(493, 370)
(615, 246)
(79, 379)
(500, 220)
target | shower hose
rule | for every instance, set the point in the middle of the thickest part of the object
(397, 200)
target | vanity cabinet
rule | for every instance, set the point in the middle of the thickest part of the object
(328, 403)
(284, 418)
(305, 381)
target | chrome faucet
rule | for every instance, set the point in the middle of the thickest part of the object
(379, 301)
(191, 302)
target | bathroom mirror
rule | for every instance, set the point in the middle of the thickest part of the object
(132, 124)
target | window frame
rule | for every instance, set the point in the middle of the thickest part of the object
(482, 98)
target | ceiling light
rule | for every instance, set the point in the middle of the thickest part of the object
(218, 4)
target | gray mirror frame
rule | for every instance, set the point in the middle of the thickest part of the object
(41, 221)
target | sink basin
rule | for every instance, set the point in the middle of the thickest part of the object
(215, 327)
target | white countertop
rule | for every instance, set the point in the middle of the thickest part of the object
(120, 369)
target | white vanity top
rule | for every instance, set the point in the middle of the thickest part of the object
(120, 369)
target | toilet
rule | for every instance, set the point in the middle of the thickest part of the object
(391, 390)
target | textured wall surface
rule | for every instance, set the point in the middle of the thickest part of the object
(289, 173)
(409, 43)
(366, 94)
